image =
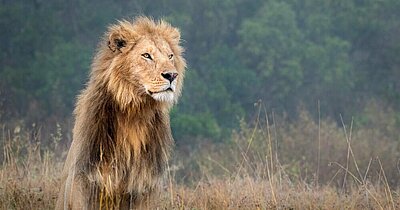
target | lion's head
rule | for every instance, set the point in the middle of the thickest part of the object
(143, 61)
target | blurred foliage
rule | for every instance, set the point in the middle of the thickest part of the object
(287, 53)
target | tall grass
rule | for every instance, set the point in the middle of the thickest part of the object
(29, 171)
(274, 163)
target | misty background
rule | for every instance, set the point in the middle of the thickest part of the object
(338, 57)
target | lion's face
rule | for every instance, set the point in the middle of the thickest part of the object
(154, 68)
(147, 61)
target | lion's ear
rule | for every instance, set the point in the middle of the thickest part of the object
(120, 36)
(175, 36)
(116, 42)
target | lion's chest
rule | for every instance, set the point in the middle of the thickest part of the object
(137, 165)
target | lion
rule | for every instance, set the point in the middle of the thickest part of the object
(122, 137)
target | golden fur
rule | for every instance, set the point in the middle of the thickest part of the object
(122, 137)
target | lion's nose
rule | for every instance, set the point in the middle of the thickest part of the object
(170, 76)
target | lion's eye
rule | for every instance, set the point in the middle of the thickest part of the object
(170, 56)
(147, 56)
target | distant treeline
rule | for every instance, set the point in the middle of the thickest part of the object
(288, 54)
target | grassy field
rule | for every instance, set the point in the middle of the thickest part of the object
(36, 188)
(271, 164)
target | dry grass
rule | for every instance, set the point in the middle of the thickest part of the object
(28, 176)
(273, 164)
(33, 192)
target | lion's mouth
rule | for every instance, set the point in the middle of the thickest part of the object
(161, 91)
(166, 95)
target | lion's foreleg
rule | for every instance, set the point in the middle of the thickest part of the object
(80, 193)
